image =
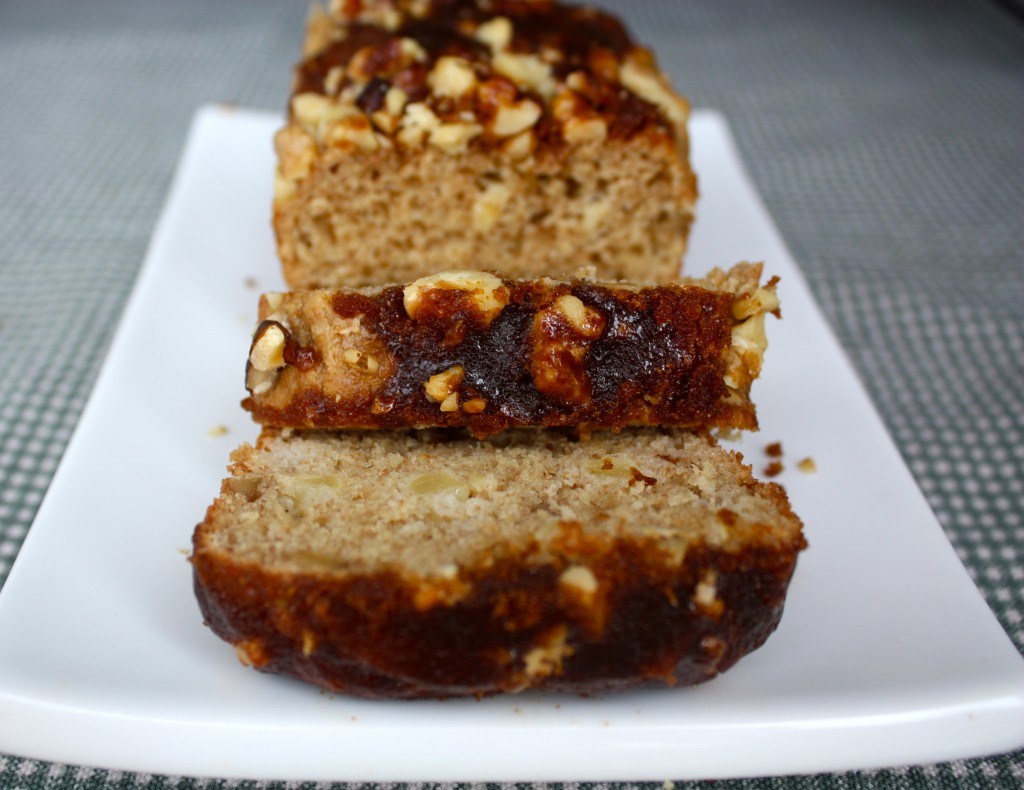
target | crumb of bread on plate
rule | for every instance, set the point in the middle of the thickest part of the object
(807, 465)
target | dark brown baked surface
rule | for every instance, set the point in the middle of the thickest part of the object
(572, 39)
(371, 635)
(468, 349)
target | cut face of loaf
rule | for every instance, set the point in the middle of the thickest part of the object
(416, 565)
(473, 350)
(422, 136)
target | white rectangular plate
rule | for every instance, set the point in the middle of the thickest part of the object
(886, 655)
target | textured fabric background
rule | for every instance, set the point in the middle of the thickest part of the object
(887, 140)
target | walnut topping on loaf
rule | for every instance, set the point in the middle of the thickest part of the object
(527, 129)
(470, 349)
(404, 565)
(500, 69)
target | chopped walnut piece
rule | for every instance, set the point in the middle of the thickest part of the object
(520, 146)
(562, 335)
(411, 49)
(386, 122)
(761, 300)
(315, 112)
(578, 131)
(546, 658)
(454, 137)
(488, 293)
(651, 86)
(395, 100)
(441, 386)
(355, 130)
(417, 122)
(580, 579)
(705, 595)
(585, 321)
(451, 76)
(568, 105)
(474, 405)
(496, 33)
(333, 81)
(527, 71)
(512, 119)
(451, 403)
(360, 360)
(267, 351)
(296, 151)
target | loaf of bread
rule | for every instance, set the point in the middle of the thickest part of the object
(470, 349)
(427, 135)
(408, 564)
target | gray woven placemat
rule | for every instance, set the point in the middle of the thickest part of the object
(887, 140)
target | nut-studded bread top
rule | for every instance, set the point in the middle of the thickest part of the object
(508, 73)
(425, 136)
(471, 349)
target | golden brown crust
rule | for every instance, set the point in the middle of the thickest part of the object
(542, 353)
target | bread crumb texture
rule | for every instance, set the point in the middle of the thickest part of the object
(361, 502)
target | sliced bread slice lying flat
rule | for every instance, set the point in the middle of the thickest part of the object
(414, 564)
(470, 349)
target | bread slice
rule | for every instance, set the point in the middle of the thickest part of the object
(471, 349)
(424, 135)
(414, 564)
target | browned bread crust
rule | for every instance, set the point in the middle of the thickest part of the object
(469, 349)
(541, 563)
(424, 135)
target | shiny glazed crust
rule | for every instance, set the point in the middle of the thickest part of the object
(369, 636)
(469, 349)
